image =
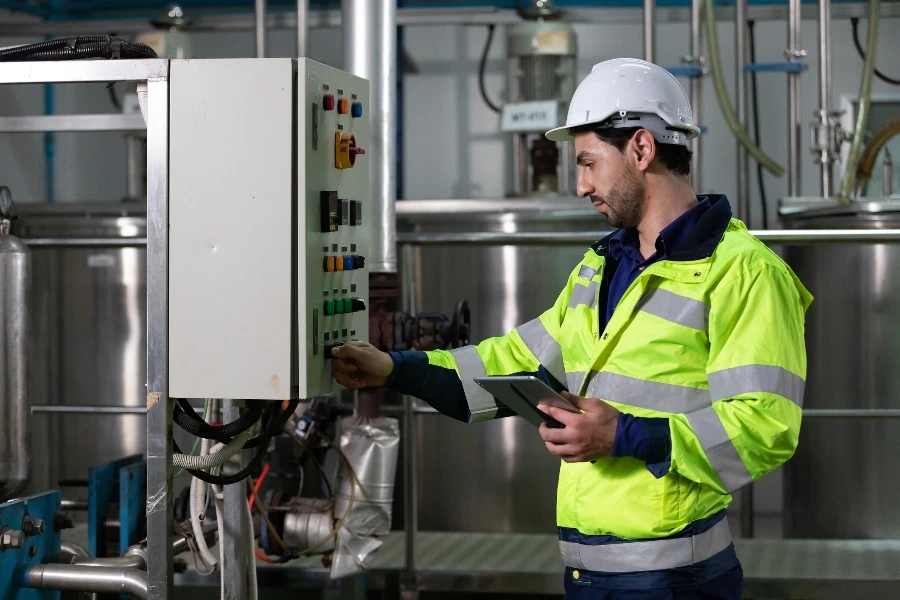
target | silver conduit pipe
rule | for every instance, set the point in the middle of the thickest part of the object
(697, 92)
(260, 17)
(78, 578)
(826, 176)
(650, 30)
(369, 31)
(302, 27)
(740, 105)
(794, 110)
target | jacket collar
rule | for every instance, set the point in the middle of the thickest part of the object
(701, 242)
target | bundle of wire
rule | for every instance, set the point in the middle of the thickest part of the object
(78, 48)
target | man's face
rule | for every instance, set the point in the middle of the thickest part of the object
(606, 178)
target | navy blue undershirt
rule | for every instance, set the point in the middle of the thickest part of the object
(645, 438)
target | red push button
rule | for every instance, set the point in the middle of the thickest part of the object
(328, 101)
(344, 106)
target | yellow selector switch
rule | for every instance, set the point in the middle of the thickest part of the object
(339, 263)
(345, 150)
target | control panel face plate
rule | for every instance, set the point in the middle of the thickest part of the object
(333, 186)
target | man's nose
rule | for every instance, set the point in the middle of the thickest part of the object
(584, 186)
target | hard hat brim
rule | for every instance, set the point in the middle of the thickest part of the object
(564, 133)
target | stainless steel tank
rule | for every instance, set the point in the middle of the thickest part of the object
(842, 482)
(89, 339)
(15, 330)
(495, 476)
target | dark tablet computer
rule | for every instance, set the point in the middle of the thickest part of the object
(522, 394)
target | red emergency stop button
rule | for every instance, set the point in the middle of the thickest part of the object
(328, 101)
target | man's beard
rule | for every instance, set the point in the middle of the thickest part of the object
(623, 203)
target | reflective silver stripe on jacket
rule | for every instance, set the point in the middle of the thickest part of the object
(482, 405)
(720, 452)
(649, 555)
(546, 349)
(664, 397)
(584, 295)
(728, 383)
(573, 381)
(586, 272)
(676, 308)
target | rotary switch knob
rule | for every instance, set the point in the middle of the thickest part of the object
(345, 150)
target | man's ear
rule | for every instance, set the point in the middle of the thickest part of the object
(642, 149)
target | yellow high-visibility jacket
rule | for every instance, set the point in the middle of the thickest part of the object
(711, 340)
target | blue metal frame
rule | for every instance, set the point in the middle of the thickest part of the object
(122, 481)
(42, 506)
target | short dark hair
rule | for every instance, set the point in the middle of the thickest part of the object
(675, 157)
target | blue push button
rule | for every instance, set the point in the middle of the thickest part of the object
(356, 110)
(348, 263)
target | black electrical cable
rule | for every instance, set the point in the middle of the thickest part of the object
(324, 476)
(274, 426)
(186, 417)
(111, 90)
(77, 48)
(481, 67)
(854, 22)
(755, 96)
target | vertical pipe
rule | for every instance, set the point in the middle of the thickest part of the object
(410, 474)
(15, 341)
(369, 30)
(50, 146)
(234, 559)
(794, 187)
(302, 27)
(740, 81)
(650, 30)
(826, 178)
(159, 406)
(697, 91)
(260, 7)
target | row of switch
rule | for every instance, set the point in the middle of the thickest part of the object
(343, 106)
(343, 263)
(344, 306)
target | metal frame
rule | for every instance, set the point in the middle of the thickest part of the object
(159, 406)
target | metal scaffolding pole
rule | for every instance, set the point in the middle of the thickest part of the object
(302, 27)
(826, 159)
(234, 560)
(740, 81)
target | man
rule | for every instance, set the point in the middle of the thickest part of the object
(679, 337)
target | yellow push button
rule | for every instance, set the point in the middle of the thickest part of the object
(339, 263)
(575, 574)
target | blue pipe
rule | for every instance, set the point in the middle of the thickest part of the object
(690, 71)
(776, 67)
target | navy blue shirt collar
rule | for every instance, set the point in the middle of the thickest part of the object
(625, 242)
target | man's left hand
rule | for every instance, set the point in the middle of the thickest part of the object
(587, 436)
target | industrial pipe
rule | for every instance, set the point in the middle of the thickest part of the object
(89, 410)
(260, 26)
(848, 181)
(697, 92)
(826, 160)
(798, 237)
(715, 69)
(871, 151)
(112, 562)
(650, 30)
(78, 578)
(15, 337)
(302, 27)
(740, 93)
(794, 103)
(369, 31)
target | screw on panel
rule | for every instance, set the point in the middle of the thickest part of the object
(33, 552)
(32, 526)
(11, 539)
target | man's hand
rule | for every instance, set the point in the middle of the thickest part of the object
(586, 436)
(358, 365)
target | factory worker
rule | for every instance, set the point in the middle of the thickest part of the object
(680, 337)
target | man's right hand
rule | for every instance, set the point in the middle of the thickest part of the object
(358, 365)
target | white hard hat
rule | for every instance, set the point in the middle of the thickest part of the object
(627, 92)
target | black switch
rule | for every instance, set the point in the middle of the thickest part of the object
(359, 262)
(330, 347)
(355, 212)
(357, 304)
(329, 210)
(344, 212)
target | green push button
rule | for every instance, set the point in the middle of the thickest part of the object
(329, 307)
(339, 306)
(348, 306)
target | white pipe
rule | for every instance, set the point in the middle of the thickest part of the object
(217, 458)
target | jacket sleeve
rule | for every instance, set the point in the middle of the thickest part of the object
(445, 379)
(756, 374)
